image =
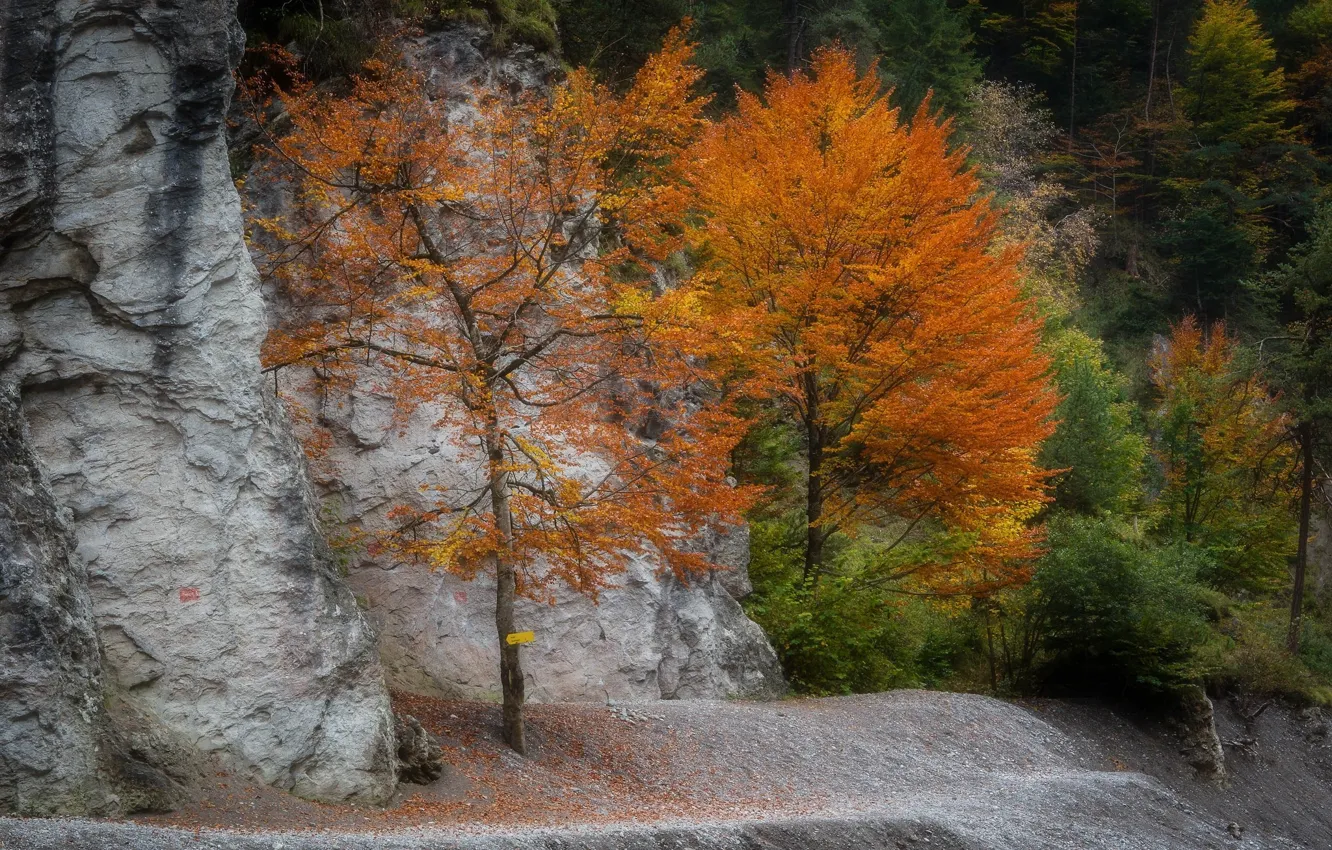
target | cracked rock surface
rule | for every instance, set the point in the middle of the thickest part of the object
(51, 717)
(130, 322)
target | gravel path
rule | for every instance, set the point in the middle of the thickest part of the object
(902, 769)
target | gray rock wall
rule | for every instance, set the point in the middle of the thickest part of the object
(650, 638)
(51, 717)
(131, 319)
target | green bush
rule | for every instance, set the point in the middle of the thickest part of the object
(839, 636)
(1116, 615)
(1254, 658)
(332, 47)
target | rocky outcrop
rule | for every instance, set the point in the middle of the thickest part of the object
(131, 319)
(51, 717)
(1200, 745)
(419, 758)
(651, 637)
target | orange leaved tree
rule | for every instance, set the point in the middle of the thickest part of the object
(1224, 447)
(475, 263)
(849, 267)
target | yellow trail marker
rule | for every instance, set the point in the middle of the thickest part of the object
(515, 638)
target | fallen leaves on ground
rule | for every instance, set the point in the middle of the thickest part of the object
(587, 765)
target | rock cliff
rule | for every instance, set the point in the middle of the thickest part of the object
(650, 638)
(50, 675)
(130, 322)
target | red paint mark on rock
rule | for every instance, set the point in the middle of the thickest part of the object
(189, 594)
(460, 596)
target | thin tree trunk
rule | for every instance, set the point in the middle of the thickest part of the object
(1073, 82)
(1151, 69)
(814, 536)
(794, 32)
(511, 669)
(1306, 433)
(989, 646)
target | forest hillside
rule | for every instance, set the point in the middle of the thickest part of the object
(496, 422)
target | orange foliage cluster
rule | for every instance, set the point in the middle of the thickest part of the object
(852, 280)
(849, 275)
(1225, 451)
(477, 266)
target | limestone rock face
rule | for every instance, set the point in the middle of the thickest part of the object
(131, 319)
(51, 718)
(652, 637)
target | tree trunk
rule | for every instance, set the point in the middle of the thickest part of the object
(1151, 67)
(511, 669)
(794, 32)
(1073, 82)
(814, 536)
(1306, 433)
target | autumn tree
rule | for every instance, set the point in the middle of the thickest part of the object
(1223, 446)
(1235, 92)
(481, 269)
(847, 264)
(1011, 136)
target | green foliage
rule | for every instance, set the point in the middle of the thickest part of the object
(329, 47)
(841, 636)
(1316, 654)
(1312, 20)
(771, 455)
(1235, 93)
(1114, 613)
(1095, 444)
(1300, 290)
(1211, 249)
(921, 46)
(1034, 43)
(1223, 446)
(524, 21)
(614, 37)
(1254, 659)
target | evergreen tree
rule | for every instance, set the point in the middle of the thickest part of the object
(1235, 92)
(1304, 289)
(1094, 445)
(925, 46)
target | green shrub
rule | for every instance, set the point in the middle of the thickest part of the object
(1116, 614)
(1254, 658)
(332, 47)
(839, 636)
